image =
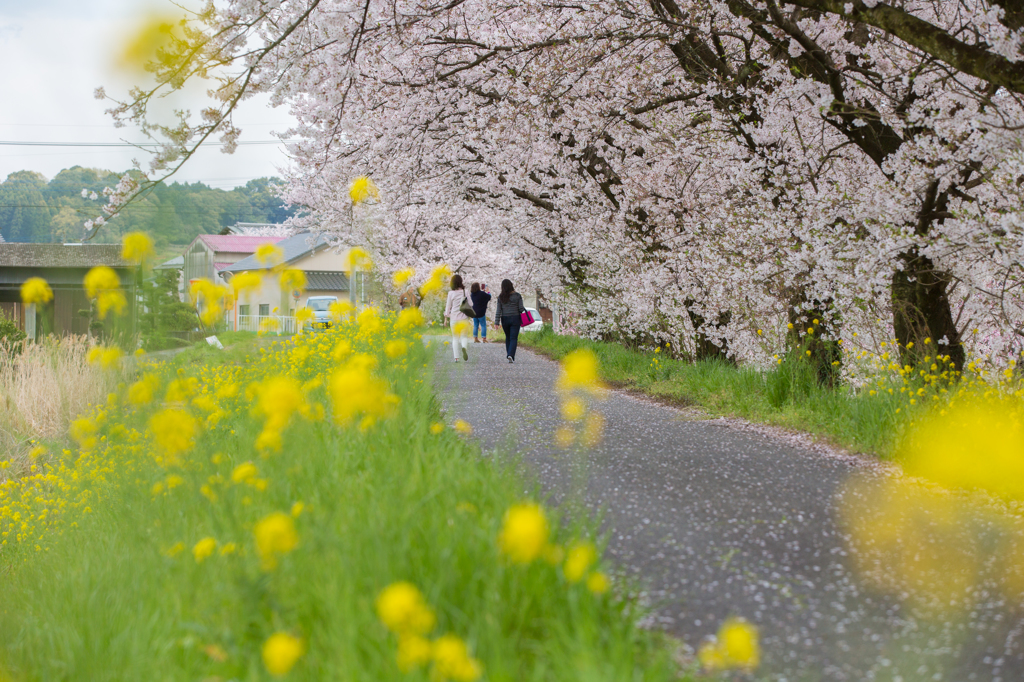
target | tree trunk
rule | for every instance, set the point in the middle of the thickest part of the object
(709, 346)
(921, 311)
(825, 353)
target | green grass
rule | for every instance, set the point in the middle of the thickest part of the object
(788, 396)
(97, 592)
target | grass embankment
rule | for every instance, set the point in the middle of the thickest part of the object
(230, 515)
(872, 420)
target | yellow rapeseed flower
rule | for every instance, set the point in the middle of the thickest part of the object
(35, 290)
(579, 371)
(524, 533)
(357, 258)
(413, 652)
(463, 427)
(439, 278)
(137, 248)
(452, 660)
(402, 276)
(173, 430)
(396, 349)
(275, 536)
(579, 559)
(409, 319)
(436, 428)
(355, 391)
(281, 652)
(573, 409)
(292, 279)
(403, 610)
(597, 582)
(203, 549)
(103, 286)
(361, 189)
(736, 646)
(269, 254)
(977, 444)
(246, 472)
(245, 282)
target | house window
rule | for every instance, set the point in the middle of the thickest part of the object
(264, 309)
(243, 310)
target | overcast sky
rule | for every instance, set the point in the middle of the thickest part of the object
(55, 53)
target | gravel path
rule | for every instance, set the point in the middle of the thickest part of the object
(717, 520)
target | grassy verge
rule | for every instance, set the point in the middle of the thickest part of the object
(867, 421)
(238, 520)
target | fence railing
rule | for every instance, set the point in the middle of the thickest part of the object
(269, 324)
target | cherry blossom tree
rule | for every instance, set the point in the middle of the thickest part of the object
(670, 170)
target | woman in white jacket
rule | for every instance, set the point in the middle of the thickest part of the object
(459, 321)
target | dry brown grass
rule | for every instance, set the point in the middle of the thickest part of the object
(43, 388)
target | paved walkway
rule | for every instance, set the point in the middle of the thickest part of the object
(718, 521)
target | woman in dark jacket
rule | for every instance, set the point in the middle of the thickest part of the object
(510, 307)
(479, 299)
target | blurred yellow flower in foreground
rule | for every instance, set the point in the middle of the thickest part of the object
(524, 533)
(281, 652)
(275, 536)
(103, 286)
(439, 278)
(292, 279)
(357, 258)
(355, 391)
(173, 430)
(203, 549)
(414, 651)
(736, 646)
(105, 357)
(403, 610)
(245, 282)
(396, 349)
(409, 319)
(597, 582)
(977, 444)
(269, 254)
(581, 556)
(35, 290)
(579, 372)
(452, 660)
(463, 427)
(150, 41)
(403, 276)
(137, 248)
(361, 189)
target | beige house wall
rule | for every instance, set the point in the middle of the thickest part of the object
(270, 294)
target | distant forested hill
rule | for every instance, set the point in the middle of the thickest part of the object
(33, 209)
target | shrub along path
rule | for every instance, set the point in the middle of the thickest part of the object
(717, 521)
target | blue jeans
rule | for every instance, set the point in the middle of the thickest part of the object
(511, 324)
(480, 323)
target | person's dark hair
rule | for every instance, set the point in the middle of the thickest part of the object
(457, 282)
(506, 290)
(475, 289)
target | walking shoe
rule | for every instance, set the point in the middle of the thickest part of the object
(476, 340)
(465, 354)
(512, 359)
(509, 358)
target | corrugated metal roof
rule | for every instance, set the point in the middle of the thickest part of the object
(176, 263)
(22, 255)
(293, 247)
(326, 281)
(236, 243)
(57, 277)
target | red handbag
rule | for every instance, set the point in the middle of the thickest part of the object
(526, 318)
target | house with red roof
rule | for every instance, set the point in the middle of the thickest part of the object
(209, 254)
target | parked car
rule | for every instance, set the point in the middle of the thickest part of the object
(320, 305)
(538, 322)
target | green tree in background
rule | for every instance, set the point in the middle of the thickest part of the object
(34, 210)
